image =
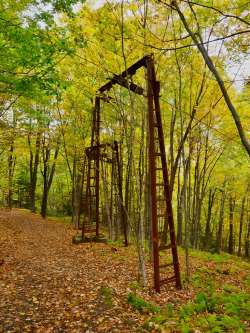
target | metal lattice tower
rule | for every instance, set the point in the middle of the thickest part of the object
(161, 205)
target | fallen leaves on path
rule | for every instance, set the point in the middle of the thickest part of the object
(47, 284)
(50, 285)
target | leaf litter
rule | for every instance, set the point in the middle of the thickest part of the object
(48, 284)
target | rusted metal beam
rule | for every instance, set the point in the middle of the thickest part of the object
(132, 69)
(156, 159)
(118, 79)
(122, 78)
(129, 85)
(97, 164)
(152, 171)
(169, 209)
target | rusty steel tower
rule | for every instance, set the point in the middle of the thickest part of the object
(162, 222)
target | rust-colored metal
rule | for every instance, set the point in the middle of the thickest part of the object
(97, 165)
(152, 171)
(161, 204)
(158, 161)
(94, 154)
(169, 210)
(118, 79)
(91, 223)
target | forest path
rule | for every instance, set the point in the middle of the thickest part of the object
(47, 284)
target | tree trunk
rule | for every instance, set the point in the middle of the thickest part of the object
(208, 234)
(33, 170)
(44, 201)
(241, 224)
(11, 167)
(180, 206)
(247, 241)
(231, 226)
(48, 174)
(186, 191)
(247, 235)
(74, 180)
(127, 198)
(221, 219)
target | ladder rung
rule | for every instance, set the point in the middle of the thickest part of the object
(158, 154)
(166, 265)
(164, 247)
(159, 184)
(158, 169)
(161, 215)
(167, 280)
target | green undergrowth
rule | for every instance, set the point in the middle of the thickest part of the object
(218, 259)
(116, 243)
(141, 305)
(63, 219)
(221, 303)
(216, 270)
(211, 313)
(106, 294)
(211, 257)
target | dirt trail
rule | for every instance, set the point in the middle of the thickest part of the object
(49, 285)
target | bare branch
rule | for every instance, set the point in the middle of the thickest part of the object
(218, 11)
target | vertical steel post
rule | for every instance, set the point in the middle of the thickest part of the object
(88, 191)
(170, 219)
(156, 149)
(97, 164)
(88, 162)
(112, 191)
(152, 171)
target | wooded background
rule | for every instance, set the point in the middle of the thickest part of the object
(53, 58)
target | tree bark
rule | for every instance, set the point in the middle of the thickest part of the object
(221, 219)
(48, 174)
(241, 224)
(247, 241)
(34, 162)
(208, 233)
(180, 206)
(11, 167)
(231, 225)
